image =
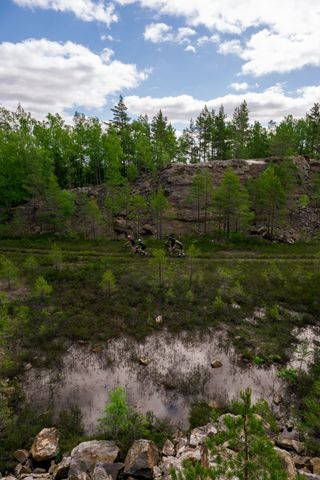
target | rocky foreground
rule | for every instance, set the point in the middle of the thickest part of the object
(100, 459)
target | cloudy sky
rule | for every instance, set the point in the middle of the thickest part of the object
(59, 56)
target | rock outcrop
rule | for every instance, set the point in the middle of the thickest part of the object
(98, 460)
(176, 181)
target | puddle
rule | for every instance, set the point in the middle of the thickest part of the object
(178, 373)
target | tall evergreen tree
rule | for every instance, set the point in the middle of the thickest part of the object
(240, 131)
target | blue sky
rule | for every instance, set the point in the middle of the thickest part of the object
(66, 55)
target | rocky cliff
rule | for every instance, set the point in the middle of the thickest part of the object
(176, 180)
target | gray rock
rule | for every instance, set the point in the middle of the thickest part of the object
(87, 455)
(311, 476)
(21, 455)
(61, 470)
(113, 469)
(45, 445)
(287, 463)
(168, 448)
(142, 457)
(200, 434)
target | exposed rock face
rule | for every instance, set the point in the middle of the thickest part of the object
(176, 181)
(86, 456)
(142, 457)
(45, 445)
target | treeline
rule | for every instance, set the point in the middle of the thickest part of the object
(34, 153)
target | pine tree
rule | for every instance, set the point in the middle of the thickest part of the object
(223, 134)
(241, 448)
(231, 204)
(313, 121)
(108, 283)
(201, 196)
(164, 143)
(159, 204)
(240, 131)
(270, 199)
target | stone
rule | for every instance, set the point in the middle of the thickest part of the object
(277, 399)
(300, 461)
(21, 455)
(216, 363)
(61, 470)
(144, 361)
(181, 444)
(198, 454)
(200, 434)
(311, 476)
(141, 458)
(287, 463)
(99, 473)
(168, 448)
(113, 469)
(315, 462)
(45, 445)
(159, 319)
(290, 444)
(87, 455)
(39, 470)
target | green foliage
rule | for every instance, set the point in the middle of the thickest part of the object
(160, 262)
(108, 283)
(250, 455)
(31, 263)
(159, 205)
(231, 204)
(138, 210)
(289, 374)
(94, 216)
(303, 201)
(270, 199)
(8, 271)
(42, 288)
(123, 424)
(201, 196)
(56, 256)
(200, 413)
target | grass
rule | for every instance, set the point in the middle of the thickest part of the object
(255, 291)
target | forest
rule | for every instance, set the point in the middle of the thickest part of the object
(36, 156)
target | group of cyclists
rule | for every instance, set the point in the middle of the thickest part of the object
(174, 246)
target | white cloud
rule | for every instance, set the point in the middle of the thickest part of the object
(231, 46)
(46, 76)
(286, 33)
(87, 10)
(205, 39)
(190, 48)
(239, 87)
(107, 37)
(271, 104)
(161, 32)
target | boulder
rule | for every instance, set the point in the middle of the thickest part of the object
(181, 445)
(216, 363)
(141, 458)
(21, 455)
(300, 461)
(168, 448)
(291, 444)
(311, 476)
(99, 473)
(113, 469)
(315, 462)
(199, 435)
(45, 445)
(287, 463)
(87, 455)
(61, 470)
